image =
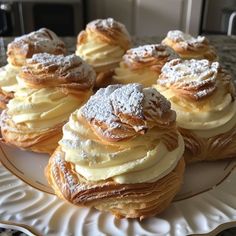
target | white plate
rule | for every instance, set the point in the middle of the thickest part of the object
(206, 203)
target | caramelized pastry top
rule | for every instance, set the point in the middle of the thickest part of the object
(42, 40)
(201, 92)
(126, 133)
(70, 73)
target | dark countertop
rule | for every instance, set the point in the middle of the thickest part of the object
(226, 50)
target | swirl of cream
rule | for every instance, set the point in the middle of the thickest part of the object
(8, 81)
(41, 108)
(201, 93)
(145, 157)
(103, 43)
(143, 64)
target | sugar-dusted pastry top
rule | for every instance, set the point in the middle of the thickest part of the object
(188, 46)
(186, 39)
(42, 40)
(201, 92)
(126, 133)
(67, 72)
(103, 43)
(152, 56)
(143, 64)
(111, 31)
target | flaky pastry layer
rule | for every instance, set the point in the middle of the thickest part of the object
(123, 200)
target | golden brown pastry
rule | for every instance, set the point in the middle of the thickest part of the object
(189, 47)
(50, 88)
(143, 64)
(121, 152)
(203, 96)
(43, 40)
(102, 44)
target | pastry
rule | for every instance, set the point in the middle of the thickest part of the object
(121, 152)
(50, 88)
(143, 64)
(203, 96)
(18, 51)
(189, 47)
(102, 44)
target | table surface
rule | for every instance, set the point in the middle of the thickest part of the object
(226, 50)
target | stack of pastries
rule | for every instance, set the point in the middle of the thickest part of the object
(50, 88)
(189, 47)
(121, 152)
(203, 96)
(143, 64)
(43, 40)
(102, 44)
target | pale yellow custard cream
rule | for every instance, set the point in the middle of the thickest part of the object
(125, 75)
(143, 158)
(41, 108)
(209, 116)
(99, 54)
(103, 43)
(8, 82)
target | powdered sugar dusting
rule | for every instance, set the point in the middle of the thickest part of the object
(43, 40)
(155, 103)
(131, 99)
(152, 50)
(188, 71)
(196, 75)
(107, 24)
(61, 64)
(179, 36)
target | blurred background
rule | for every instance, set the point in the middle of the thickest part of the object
(141, 17)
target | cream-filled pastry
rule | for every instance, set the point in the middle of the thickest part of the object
(143, 64)
(18, 51)
(51, 87)
(203, 96)
(121, 152)
(189, 47)
(102, 45)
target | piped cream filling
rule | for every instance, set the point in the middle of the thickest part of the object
(219, 116)
(8, 82)
(142, 159)
(145, 76)
(41, 108)
(100, 54)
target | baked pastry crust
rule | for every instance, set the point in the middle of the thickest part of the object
(36, 140)
(140, 200)
(110, 32)
(70, 76)
(133, 112)
(42, 40)
(189, 47)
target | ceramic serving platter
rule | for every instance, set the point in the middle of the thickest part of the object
(205, 205)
